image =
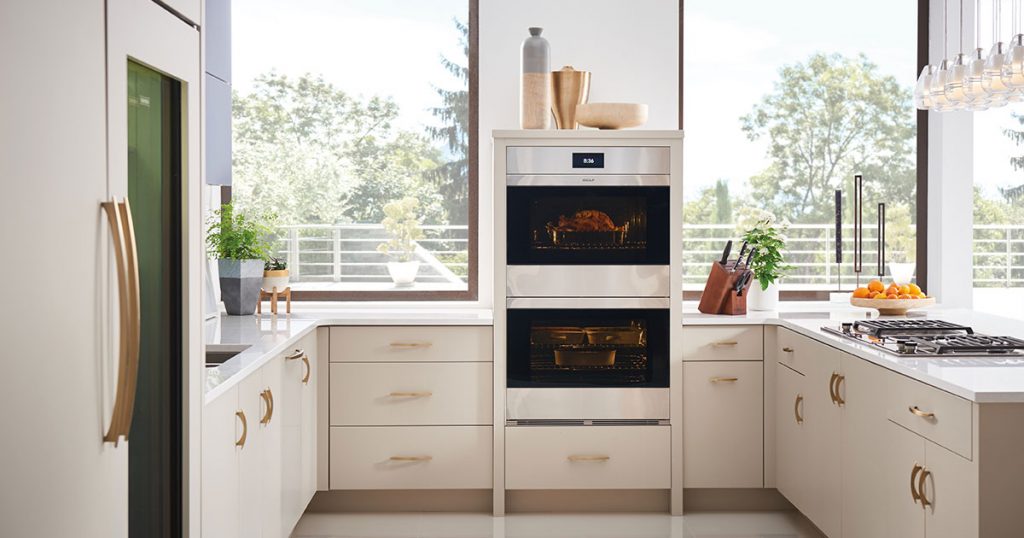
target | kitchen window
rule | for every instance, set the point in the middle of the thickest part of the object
(356, 125)
(792, 101)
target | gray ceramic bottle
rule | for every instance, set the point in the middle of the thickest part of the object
(535, 86)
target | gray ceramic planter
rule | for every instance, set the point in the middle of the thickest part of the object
(240, 282)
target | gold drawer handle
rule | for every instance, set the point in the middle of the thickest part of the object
(724, 379)
(840, 378)
(245, 429)
(270, 407)
(925, 473)
(923, 414)
(309, 369)
(913, 476)
(410, 345)
(796, 408)
(295, 355)
(411, 458)
(582, 457)
(787, 349)
(725, 343)
(412, 394)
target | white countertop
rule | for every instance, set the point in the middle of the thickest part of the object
(261, 337)
(983, 380)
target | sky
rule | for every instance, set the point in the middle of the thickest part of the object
(365, 47)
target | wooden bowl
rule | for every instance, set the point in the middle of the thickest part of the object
(893, 307)
(611, 115)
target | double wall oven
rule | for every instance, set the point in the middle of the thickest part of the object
(587, 284)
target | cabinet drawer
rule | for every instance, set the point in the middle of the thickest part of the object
(411, 394)
(735, 343)
(411, 457)
(587, 457)
(723, 425)
(931, 413)
(411, 344)
(799, 352)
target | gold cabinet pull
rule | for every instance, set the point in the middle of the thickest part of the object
(913, 476)
(268, 399)
(787, 349)
(297, 354)
(724, 379)
(410, 345)
(831, 387)
(135, 309)
(309, 370)
(725, 343)
(411, 394)
(245, 429)
(796, 408)
(840, 378)
(270, 393)
(923, 414)
(925, 473)
(411, 458)
(588, 457)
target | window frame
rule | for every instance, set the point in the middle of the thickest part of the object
(923, 11)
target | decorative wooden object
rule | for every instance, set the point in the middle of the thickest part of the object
(720, 295)
(273, 296)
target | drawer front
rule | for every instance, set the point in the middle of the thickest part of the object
(588, 457)
(411, 344)
(411, 394)
(797, 351)
(723, 424)
(733, 343)
(411, 457)
(934, 414)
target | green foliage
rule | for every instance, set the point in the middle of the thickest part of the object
(827, 119)
(275, 264)
(723, 203)
(452, 177)
(900, 236)
(767, 263)
(403, 227)
(234, 235)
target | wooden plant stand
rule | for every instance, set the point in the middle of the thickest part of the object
(273, 296)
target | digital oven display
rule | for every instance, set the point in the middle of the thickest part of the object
(588, 160)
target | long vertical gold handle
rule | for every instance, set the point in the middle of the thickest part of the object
(839, 381)
(296, 355)
(925, 473)
(309, 369)
(831, 387)
(913, 476)
(245, 429)
(266, 414)
(114, 432)
(796, 409)
(270, 394)
(135, 309)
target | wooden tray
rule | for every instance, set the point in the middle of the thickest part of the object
(893, 307)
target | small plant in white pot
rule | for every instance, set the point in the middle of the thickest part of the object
(239, 242)
(767, 240)
(275, 275)
(403, 228)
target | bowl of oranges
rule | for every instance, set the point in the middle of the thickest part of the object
(892, 300)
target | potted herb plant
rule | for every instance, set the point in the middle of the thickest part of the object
(403, 228)
(767, 263)
(275, 274)
(239, 242)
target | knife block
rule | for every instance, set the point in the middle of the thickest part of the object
(719, 296)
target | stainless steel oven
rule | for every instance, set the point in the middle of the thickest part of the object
(587, 359)
(587, 221)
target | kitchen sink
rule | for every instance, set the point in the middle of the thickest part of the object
(219, 354)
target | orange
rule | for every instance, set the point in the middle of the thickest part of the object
(892, 290)
(876, 285)
(874, 294)
(905, 289)
(892, 296)
(904, 296)
(914, 289)
(861, 293)
(914, 297)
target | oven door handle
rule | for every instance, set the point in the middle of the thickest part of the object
(588, 180)
(584, 303)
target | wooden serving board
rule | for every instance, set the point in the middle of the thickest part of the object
(893, 307)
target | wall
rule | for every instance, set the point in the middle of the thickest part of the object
(632, 49)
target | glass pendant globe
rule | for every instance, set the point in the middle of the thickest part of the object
(922, 90)
(974, 93)
(955, 78)
(937, 89)
(992, 76)
(1013, 64)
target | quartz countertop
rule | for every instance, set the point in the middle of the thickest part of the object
(258, 338)
(980, 379)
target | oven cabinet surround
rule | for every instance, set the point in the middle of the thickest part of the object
(853, 456)
(543, 460)
(410, 408)
(259, 448)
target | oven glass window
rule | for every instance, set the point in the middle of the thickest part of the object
(587, 348)
(588, 225)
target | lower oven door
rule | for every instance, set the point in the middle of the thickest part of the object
(587, 359)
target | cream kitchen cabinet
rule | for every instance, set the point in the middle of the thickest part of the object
(863, 428)
(792, 474)
(726, 343)
(224, 425)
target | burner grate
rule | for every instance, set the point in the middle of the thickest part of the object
(884, 327)
(969, 343)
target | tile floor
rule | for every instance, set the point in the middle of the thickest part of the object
(696, 525)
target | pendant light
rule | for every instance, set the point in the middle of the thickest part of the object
(992, 76)
(957, 73)
(937, 89)
(1013, 67)
(975, 96)
(922, 93)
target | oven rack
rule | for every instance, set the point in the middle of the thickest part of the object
(624, 362)
(638, 245)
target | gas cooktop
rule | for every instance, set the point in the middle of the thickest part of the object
(927, 338)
